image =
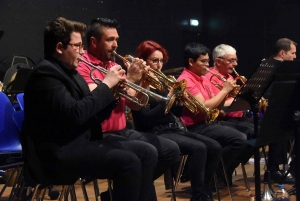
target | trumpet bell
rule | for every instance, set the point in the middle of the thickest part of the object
(153, 80)
(212, 115)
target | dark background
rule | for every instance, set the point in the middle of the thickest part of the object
(251, 26)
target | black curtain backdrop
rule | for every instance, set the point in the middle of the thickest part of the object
(252, 27)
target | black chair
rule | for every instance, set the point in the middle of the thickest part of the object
(33, 174)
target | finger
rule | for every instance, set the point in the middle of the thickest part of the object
(122, 72)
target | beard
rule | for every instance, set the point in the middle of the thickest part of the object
(113, 57)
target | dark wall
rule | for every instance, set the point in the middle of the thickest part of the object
(162, 21)
(251, 26)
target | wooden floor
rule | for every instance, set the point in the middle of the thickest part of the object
(182, 191)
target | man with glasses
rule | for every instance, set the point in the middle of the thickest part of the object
(225, 60)
(233, 142)
(102, 41)
(61, 121)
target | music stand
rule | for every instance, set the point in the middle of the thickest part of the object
(282, 116)
(18, 84)
(248, 99)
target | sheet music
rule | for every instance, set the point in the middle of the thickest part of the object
(252, 91)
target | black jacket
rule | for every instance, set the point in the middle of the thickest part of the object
(61, 117)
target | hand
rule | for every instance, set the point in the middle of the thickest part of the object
(222, 113)
(121, 88)
(114, 75)
(171, 92)
(229, 85)
(135, 70)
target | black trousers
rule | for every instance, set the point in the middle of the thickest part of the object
(128, 163)
(243, 125)
(233, 142)
(168, 151)
(204, 154)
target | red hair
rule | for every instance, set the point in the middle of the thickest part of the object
(146, 48)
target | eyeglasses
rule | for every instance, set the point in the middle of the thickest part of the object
(205, 61)
(77, 46)
(229, 60)
(156, 60)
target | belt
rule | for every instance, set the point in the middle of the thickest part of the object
(170, 126)
(191, 127)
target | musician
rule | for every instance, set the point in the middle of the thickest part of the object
(102, 40)
(225, 60)
(283, 50)
(62, 121)
(203, 152)
(196, 58)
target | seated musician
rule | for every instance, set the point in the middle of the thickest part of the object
(62, 121)
(102, 40)
(196, 58)
(225, 61)
(203, 152)
(284, 50)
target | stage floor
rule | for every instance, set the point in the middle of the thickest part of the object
(182, 191)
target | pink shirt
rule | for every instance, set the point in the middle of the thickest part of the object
(216, 90)
(117, 119)
(195, 85)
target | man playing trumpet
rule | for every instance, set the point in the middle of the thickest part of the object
(225, 62)
(196, 59)
(102, 41)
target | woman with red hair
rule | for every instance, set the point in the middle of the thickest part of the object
(203, 152)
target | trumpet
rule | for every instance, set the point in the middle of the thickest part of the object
(189, 101)
(196, 106)
(263, 102)
(243, 79)
(153, 81)
(232, 94)
(146, 93)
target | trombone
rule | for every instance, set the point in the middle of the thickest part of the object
(153, 81)
(146, 93)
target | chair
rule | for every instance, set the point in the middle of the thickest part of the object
(175, 181)
(18, 117)
(10, 145)
(20, 99)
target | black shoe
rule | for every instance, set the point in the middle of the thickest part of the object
(105, 196)
(53, 193)
(184, 178)
(289, 179)
(274, 177)
(229, 179)
(201, 198)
